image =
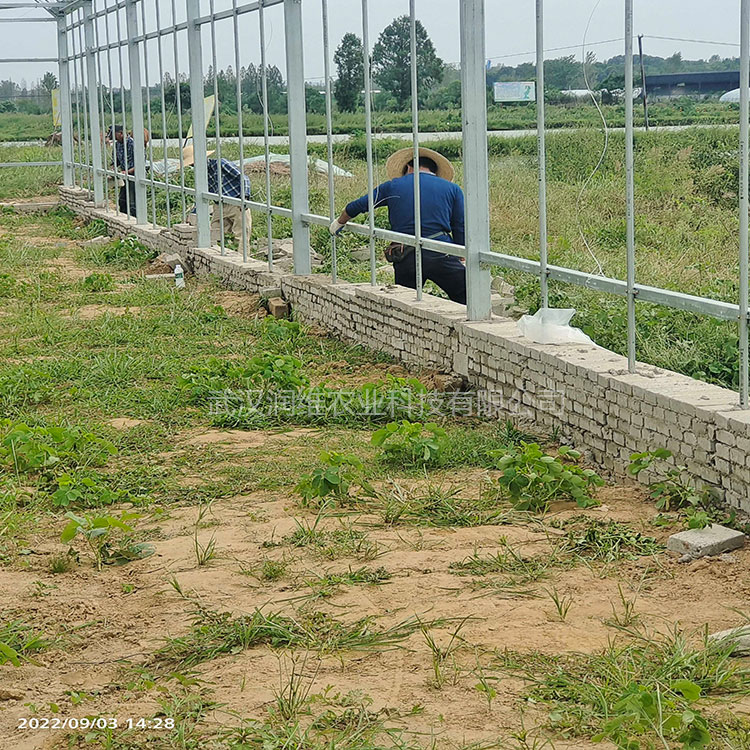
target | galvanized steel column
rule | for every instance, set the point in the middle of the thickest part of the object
(66, 113)
(195, 60)
(136, 106)
(744, 198)
(630, 181)
(295, 71)
(92, 82)
(541, 153)
(476, 168)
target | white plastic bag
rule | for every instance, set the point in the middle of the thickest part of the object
(551, 326)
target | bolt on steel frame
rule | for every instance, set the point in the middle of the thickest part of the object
(89, 104)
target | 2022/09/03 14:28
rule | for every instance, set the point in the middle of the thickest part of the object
(35, 723)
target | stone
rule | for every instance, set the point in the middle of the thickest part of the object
(713, 540)
(502, 287)
(449, 383)
(172, 260)
(270, 291)
(159, 276)
(360, 253)
(97, 241)
(278, 307)
(739, 636)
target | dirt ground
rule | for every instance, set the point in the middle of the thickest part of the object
(108, 626)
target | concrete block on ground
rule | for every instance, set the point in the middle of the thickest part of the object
(97, 241)
(739, 636)
(278, 307)
(713, 540)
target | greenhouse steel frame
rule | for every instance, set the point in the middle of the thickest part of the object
(92, 32)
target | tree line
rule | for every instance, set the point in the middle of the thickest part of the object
(439, 83)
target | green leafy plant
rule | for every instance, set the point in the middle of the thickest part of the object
(412, 443)
(79, 489)
(128, 252)
(32, 448)
(107, 537)
(531, 479)
(666, 713)
(98, 282)
(331, 480)
(18, 641)
(669, 490)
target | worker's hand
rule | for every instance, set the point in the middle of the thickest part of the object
(336, 227)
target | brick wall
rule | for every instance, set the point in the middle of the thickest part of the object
(583, 391)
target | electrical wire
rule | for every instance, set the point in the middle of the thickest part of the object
(585, 185)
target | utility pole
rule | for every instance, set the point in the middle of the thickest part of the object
(644, 95)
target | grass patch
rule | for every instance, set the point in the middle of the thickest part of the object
(612, 693)
(213, 634)
(604, 541)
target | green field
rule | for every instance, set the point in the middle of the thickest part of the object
(189, 561)
(23, 127)
(687, 226)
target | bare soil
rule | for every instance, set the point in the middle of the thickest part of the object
(123, 614)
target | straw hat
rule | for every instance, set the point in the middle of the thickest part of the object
(396, 164)
(188, 156)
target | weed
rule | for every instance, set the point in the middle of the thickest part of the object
(669, 490)
(334, 543)
(438, 506)
(411, 443)
(98, 282)
(293, 694)
(627, 617)
(485, 686)
(84, 489)
(28, 448)
(203, 553)
(444, 656)
(61, 564)
(126, 253)
(531, 479)
(326, 586)
(562, 603)
(508, 561)
(587, 691)
(213, 634)
(272, 570)
(605, 541)
(18, 641)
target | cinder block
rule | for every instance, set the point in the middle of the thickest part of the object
(713, 540)
(278, 307)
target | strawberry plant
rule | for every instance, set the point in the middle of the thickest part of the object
(531, 479)
(412, 443)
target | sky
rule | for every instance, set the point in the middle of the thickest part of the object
(510, 34)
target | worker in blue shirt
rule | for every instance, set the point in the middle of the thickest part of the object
(442, 209)
(233, 185)
(124, 163)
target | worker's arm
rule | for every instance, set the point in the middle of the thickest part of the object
(458, 218)
(355, 208)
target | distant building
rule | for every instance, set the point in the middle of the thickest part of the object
(692, 84)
